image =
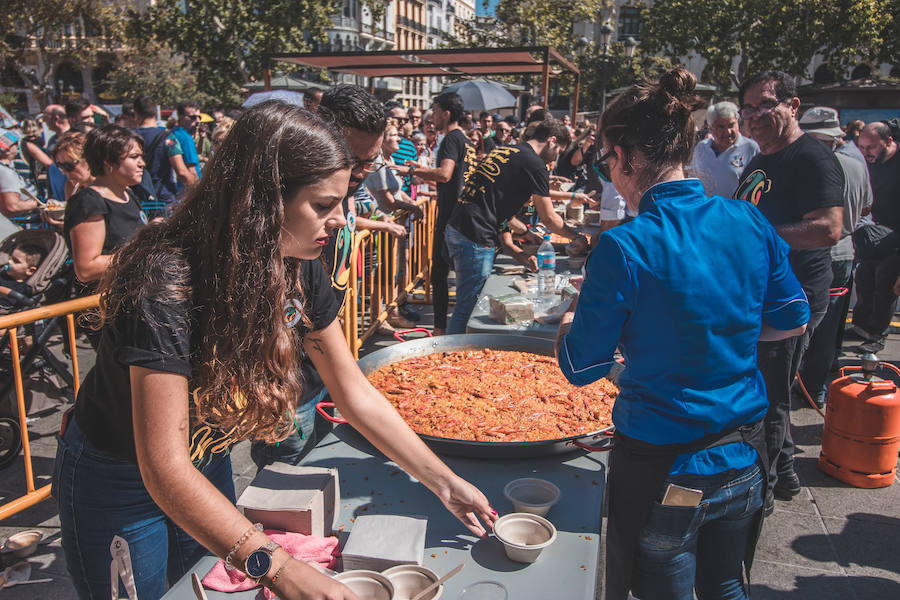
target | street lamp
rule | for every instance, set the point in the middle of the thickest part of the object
(606, 32)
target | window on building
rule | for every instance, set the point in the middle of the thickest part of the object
(824, 75)
(861, 72)
(630, 22)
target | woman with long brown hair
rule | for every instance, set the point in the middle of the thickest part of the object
(205, 318)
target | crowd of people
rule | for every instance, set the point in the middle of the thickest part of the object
(199, 230)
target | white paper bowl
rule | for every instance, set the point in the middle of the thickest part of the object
(24, 543)
(368, 585)
(524, 536)
(531, 495)
(409, 580)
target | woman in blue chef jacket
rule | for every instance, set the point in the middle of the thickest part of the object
(685, 292)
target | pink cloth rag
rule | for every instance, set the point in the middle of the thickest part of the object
(306, 548)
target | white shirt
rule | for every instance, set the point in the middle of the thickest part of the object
(721, 173)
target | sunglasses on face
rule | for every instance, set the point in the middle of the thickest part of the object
(193, 117)
(67, 166)
(402, 120)
(603, 167)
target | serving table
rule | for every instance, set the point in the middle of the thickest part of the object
(497, 285)
(371, 484)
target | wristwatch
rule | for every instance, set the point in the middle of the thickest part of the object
(260, 561)
(412, 169)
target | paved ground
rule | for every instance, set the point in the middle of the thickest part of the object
(831, 542)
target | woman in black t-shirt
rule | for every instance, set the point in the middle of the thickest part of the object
(205, 319)
(104, 215)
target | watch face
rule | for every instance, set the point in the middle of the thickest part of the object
(258, 564)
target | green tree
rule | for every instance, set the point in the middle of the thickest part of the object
(740, 37)
(41, 34)
(224, 41)
(152, 69)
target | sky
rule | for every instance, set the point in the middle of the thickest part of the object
(480, 10)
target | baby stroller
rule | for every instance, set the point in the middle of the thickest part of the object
(50, 283)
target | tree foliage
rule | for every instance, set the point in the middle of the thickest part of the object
(224, 41)
(156, 71)
(531, 23)
(36, 34)
(740, 37)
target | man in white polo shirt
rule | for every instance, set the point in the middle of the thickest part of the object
(720, 159)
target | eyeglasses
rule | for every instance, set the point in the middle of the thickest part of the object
(67, 166)
(764, 108)
(193, 117)
(369, 166)
(402, 120)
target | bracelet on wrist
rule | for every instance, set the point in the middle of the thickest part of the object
(229, 558)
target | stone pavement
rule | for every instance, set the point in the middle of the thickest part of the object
(831, 542)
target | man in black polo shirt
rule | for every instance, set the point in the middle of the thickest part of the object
(502, 184)
(797, 183)
(455, 162)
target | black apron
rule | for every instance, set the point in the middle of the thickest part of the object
(637, 472)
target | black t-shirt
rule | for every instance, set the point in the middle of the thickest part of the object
(122, 219)
(801, 178)
(885, 179)
(163, 336)
(458, 148)
(503, 182)
(489, 144)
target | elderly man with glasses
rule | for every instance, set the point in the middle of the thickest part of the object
(797, 183)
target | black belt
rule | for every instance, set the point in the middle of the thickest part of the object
(637, 472)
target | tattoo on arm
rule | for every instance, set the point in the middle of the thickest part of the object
(316, 343)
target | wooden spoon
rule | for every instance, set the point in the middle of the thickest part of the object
(198, 587)
(437, 583)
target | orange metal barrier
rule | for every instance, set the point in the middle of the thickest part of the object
(378, 284)
(12, 323)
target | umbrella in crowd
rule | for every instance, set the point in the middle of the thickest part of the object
(481, 94)
(290, 97)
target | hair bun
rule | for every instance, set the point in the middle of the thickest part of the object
(678, 82)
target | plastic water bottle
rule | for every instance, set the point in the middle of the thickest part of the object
(546, 259)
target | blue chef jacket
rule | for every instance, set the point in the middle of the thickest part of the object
(682, 291)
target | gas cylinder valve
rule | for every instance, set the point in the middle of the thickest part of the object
(870, 364)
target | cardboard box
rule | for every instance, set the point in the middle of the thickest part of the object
(378, 542)
(291, 498)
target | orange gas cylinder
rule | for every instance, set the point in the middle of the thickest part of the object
(862, 428)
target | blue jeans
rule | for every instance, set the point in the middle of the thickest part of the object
(100, 496)
(702, 547)
(309, 429)
(473, 264)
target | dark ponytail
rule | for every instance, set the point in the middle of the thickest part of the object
(654, 119)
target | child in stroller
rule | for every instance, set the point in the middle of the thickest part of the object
(23, 263)
(36, 275)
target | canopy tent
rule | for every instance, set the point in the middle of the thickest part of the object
(283, 82)
(472, 62)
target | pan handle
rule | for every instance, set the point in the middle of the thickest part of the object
(399, 334)
(590, 448)
(320, 408)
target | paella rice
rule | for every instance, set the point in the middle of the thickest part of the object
(493, 396)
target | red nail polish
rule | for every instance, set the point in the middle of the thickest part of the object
(493, 511)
